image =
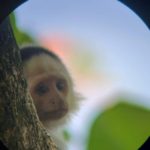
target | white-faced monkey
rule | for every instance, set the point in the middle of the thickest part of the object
(50, 86)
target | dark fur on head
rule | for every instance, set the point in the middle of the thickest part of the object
(30, 51)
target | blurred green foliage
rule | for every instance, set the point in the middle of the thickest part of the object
(122, 127)
(21, 36)
(66, 135)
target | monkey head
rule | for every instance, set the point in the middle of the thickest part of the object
(50, 86)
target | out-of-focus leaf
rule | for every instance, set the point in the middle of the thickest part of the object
(21, 36)
(123, 127)
(66, 135)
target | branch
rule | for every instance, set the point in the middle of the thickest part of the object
(20, 127)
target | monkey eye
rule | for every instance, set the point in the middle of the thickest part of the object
(60, 85)
(42, 89)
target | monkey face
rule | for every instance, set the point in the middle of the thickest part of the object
(51, 88)
(49, 95)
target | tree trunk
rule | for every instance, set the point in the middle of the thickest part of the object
(20, 128)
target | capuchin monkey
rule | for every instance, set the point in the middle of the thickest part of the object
(51, 87)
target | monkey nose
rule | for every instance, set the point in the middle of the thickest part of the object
(53, 102)
(56, 103)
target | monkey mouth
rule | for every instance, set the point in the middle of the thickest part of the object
(54, 115)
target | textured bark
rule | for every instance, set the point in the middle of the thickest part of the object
(20, 128)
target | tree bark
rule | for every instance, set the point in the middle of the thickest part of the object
(20, 128)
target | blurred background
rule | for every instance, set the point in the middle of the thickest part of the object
(106, 48)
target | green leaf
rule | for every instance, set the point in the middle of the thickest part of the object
(123, 127)
(66, 135)
(21, 36)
